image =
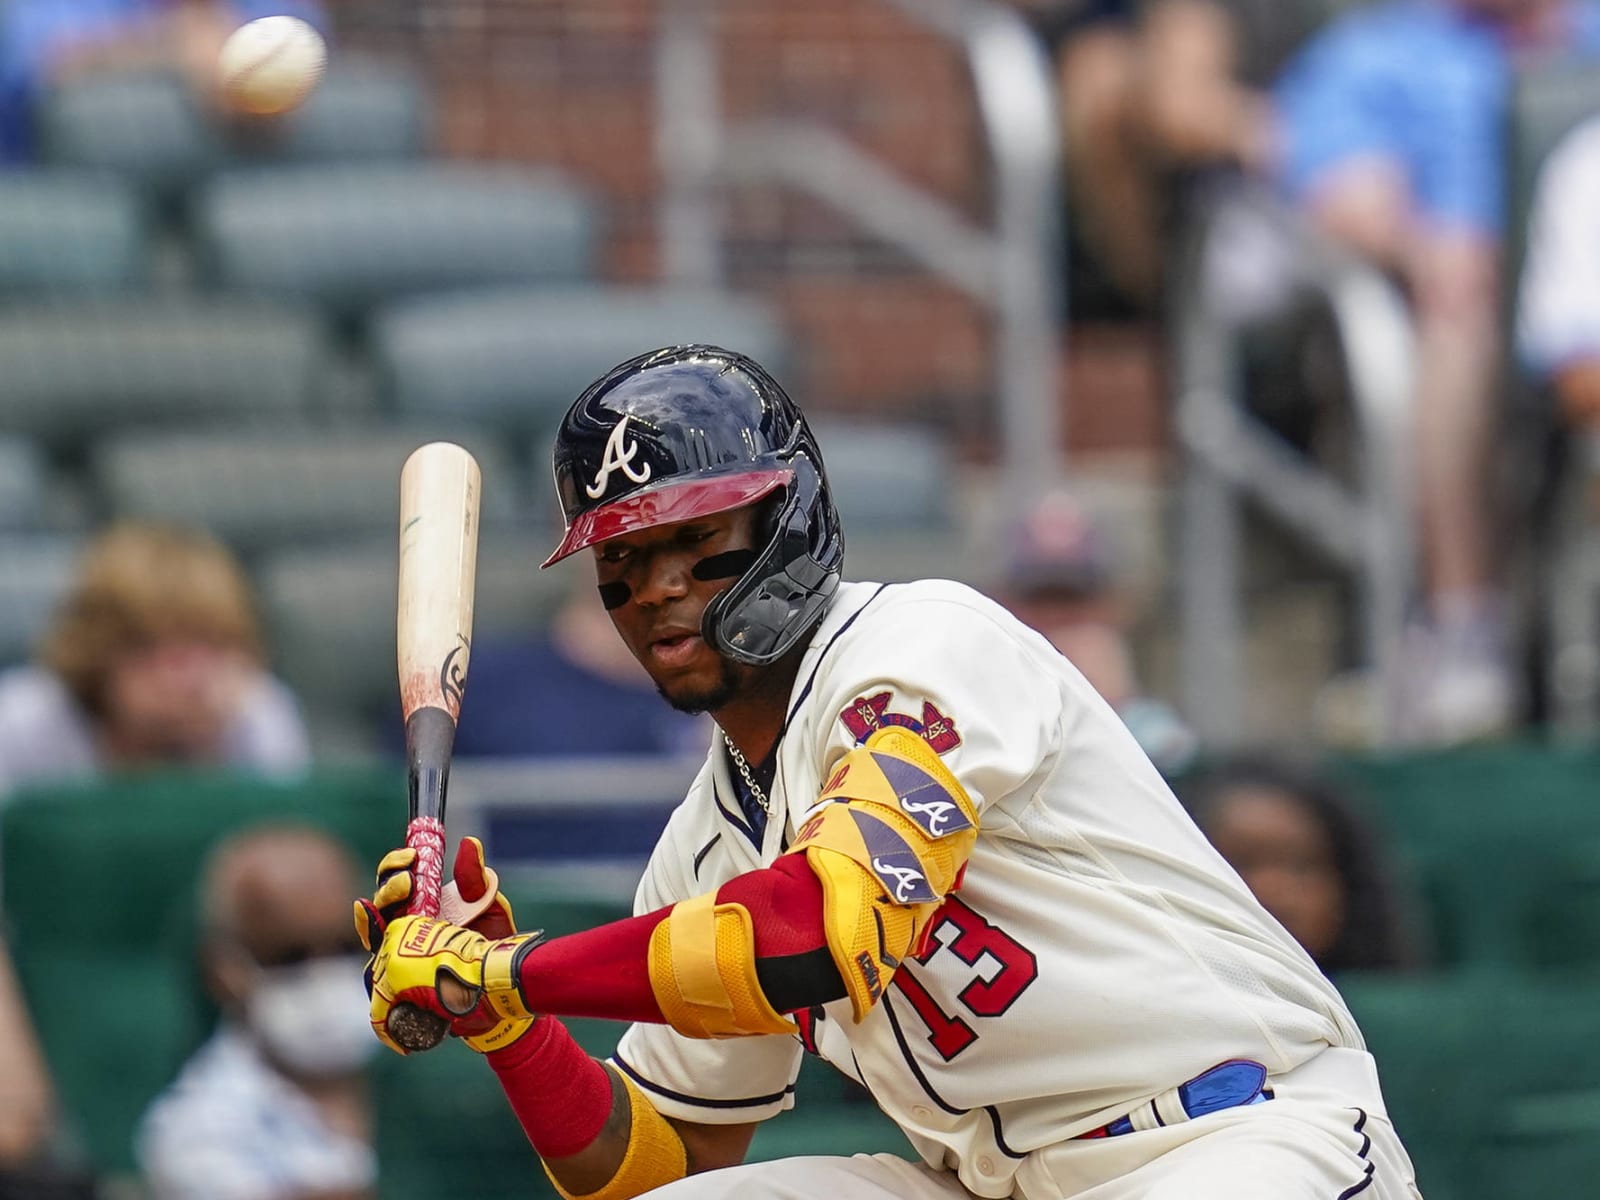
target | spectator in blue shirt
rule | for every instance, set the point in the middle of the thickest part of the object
(44, 41)
(1390, 137)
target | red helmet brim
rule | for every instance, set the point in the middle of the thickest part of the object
(683, 500)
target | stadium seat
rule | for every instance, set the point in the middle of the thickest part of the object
(1505, 843)
(99, 878)
(348, 236)
(363, 110)
(329, 614)
(75, 373)
(263, 488)
(1428, 1036)
(65, 233)
(35, 573)
(150, 129)
(519, 357)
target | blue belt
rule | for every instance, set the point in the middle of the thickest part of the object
(1227, 1085)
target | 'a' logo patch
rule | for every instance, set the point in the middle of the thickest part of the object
(865, 715)
(894, 862)
(922, 797)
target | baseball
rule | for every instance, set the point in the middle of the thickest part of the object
(270, 65)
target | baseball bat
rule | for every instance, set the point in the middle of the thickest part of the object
(440, 488)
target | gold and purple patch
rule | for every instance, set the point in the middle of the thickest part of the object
(922, 797)
(894, 863)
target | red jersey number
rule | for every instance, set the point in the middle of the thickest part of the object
(960, 931)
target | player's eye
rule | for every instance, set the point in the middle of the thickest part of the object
(611, 554)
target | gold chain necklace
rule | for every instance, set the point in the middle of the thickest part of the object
(746, 775)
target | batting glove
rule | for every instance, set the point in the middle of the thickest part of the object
(471, 900)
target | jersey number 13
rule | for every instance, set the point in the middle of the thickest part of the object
(962, 932)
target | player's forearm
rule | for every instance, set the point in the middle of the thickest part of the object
(606, 972)
(596, 1135)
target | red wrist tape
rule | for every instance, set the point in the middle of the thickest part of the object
(561, 1096)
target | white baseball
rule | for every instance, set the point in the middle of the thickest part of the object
(270, 65)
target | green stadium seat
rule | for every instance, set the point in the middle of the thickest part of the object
(74, 373)
(1429, 1036)
(519, 357)
(1505, 844)
(98, 878)
(1483, 1075)
(69, 233)
(348, 236)
(261, 489)
(36, 571)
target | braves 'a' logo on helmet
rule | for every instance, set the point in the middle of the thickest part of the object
(618, 458)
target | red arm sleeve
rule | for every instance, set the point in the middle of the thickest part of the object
(604, 972)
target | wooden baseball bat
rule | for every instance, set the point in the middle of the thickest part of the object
(440, 488)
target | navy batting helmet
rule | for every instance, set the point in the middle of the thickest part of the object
(687, 431)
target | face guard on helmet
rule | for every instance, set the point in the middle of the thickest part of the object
(689, 431)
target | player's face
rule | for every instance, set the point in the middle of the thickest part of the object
(657, 604)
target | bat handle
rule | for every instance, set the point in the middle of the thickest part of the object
(425, 835)
(412, 1027)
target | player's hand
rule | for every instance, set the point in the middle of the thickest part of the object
(451, 971)
(471, 899)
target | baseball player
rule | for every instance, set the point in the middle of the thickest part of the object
(921, 846)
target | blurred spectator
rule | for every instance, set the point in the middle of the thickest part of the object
(1147, 90)
(1059, 578)
(46, 41)
(1309, 857)
(274, 1105)
(153, 659)
(1559, 309)
(572, 688)
(1390, 135)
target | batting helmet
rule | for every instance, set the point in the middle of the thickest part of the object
(687, 431)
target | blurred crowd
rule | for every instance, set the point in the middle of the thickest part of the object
(1382, 124)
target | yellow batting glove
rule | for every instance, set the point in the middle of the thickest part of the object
(453, 972)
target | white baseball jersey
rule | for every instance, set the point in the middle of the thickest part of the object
(1097, 953)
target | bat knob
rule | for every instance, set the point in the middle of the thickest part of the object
(416, 1029)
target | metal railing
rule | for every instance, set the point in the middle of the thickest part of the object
(1231, 458)
(1012, 269)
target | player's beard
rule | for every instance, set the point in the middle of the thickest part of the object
(706, 699)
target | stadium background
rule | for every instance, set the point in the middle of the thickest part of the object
(248, 330)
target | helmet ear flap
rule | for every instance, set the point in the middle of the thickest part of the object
(785, 591)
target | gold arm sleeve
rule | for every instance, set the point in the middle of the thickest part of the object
(894, 831)
(703, 972)
(655, 1156)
